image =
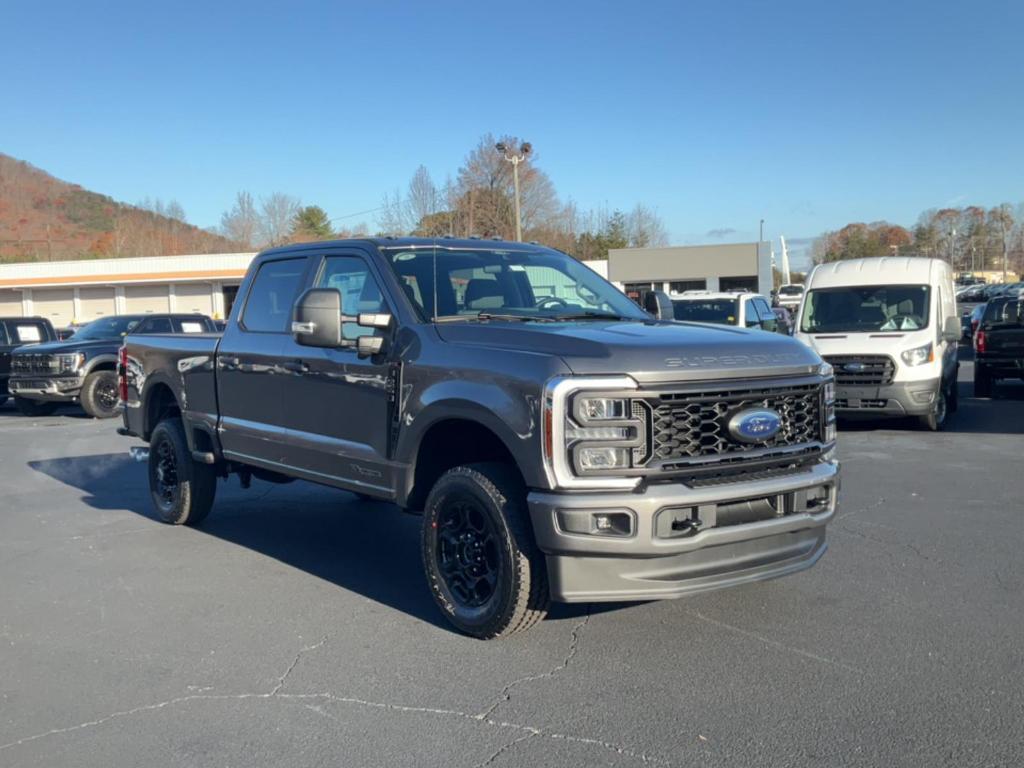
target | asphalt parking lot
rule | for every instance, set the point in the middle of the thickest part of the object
(295, 628)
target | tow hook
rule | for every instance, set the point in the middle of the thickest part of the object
(689, 525)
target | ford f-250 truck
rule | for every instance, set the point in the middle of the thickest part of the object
(562, 443)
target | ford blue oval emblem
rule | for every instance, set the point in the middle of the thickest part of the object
(755, 426)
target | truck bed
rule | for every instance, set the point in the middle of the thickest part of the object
(185, 363)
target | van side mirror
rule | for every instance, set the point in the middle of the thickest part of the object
(316, 319)
(951, 330)
(659, 304)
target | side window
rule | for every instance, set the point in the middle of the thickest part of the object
(154, 325)
(190, 326)
(359, 290)
(268, 308)
(28, 334)
(750, 317)
(768, 320)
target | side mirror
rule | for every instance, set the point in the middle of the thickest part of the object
(951, 329)
(316, 319)
(659, 304)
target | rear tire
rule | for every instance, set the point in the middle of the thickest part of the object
(482, 563)
(182, 489)
(99, 395)
(982, 382)
(35, 407)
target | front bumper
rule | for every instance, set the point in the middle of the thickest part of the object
(903, 398)
(60, 389)
(656, 561)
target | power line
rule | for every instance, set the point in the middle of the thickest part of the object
(358, 213)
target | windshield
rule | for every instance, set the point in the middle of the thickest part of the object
(791, 290)
(476, 284)
(106, 328)
(720, 311)
(866, 309)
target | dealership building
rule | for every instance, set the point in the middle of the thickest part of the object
(725, 267)
(74, 292)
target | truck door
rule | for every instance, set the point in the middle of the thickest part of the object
(249, 391)
(336, 403)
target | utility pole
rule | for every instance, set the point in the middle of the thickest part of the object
(952, 253)
(524, 150)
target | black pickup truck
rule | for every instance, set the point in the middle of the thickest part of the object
(562, 443)
(999, 343)
(16, 332)
(83, 368)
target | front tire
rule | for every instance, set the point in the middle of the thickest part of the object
(482, 564)
(935, 420)
(182, 489)
(99, 395)
(35, 407)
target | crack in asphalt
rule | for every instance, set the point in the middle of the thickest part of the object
(776, 643)
(506, 692)
(310, 702)
(861, 510)
(503, 749)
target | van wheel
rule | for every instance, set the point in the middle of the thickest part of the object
(935, 420)
(99, 395)
(982, 382)
(483, 566)
(182, 489)
(34, 407)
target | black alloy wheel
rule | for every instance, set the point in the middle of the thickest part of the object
(467, 552)
(165, 474)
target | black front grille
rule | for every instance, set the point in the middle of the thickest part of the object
(33, 364)
(862, 370)
(690, 427)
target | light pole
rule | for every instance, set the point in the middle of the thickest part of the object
(760, 237)
(515, 159)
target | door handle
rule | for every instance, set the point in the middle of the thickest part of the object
(229, 362)
(295, 366)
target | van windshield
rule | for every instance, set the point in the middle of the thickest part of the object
(866, 309)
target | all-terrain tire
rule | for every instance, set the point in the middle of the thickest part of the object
(99, 395)
(182, 489)
(491, 498)
(35, 407)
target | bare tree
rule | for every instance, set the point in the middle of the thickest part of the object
(277, 211)
(173, 210)
(242, 221)
(646, 229)
(423, 198)
(393, 218)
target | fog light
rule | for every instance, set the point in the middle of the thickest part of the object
(611, 522)
(923, 397)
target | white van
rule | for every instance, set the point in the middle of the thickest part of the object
(889, 328)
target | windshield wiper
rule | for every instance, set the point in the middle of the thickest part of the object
(493, 316)
(591, 315)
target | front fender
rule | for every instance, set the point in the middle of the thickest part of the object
(94, 363)
(513, 416)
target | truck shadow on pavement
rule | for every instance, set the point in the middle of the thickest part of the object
(367, 547)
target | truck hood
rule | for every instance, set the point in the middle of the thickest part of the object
(68, 346)
(651, 351)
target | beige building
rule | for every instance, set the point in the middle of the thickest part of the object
(71, 292)
(731, 266)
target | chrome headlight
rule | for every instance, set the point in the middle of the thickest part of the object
(918, 355)
(594, 431)
(70, 363)
(828, 397)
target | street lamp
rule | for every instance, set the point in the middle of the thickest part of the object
(509, 154)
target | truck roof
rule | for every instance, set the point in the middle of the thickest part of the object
(412, 242)
(892, 270)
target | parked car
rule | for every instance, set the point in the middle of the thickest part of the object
(562, 443)
(972, 294)
(746, 310)
(17, 332)
(789, 296)
(999, 344)
(82, 369)
(889, 327)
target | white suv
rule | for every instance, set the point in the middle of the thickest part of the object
(745, 310)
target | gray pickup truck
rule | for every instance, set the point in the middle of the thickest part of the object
(561, 443)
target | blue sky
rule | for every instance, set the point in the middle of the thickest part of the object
(717, 114)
